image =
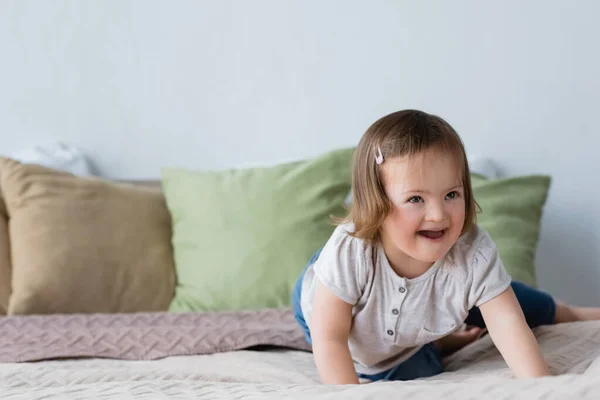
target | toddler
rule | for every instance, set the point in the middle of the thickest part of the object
(386, 297)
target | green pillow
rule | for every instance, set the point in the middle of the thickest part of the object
(242, 237)
(511, 212)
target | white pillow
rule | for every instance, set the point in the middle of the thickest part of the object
(56, 155)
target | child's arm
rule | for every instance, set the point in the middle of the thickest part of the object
(512, 336)
(330, 327)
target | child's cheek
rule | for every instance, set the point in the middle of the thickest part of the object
(395, 199)
(458, 209)
(408, 215)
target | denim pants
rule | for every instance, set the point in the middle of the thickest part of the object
(538, 307)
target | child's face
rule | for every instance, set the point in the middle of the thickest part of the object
(428, 210)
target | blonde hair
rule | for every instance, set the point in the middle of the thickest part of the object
(403, 133)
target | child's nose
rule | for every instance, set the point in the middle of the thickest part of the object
(435, 212)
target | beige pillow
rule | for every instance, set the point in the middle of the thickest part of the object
(4, 258)
(85, 245)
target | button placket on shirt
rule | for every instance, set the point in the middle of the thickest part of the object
(399, 297)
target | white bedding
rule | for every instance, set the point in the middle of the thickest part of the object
(478, 371)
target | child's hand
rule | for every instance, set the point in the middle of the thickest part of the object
(458, 339)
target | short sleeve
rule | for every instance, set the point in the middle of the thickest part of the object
(489, 278)
(341, 266)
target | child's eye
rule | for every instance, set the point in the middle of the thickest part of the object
(415, 199)
(452, 195)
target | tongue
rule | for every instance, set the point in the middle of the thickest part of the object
(432, 234)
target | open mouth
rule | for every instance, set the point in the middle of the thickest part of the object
(432, 235)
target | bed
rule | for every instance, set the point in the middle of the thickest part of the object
(252, 354)
(52, 347)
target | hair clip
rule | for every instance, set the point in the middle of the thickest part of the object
(379, 156)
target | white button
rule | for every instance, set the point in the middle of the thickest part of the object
(402, 290)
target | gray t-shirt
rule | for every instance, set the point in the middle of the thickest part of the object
(394, 317)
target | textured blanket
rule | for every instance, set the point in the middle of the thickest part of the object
(144, 336)
(476, 372)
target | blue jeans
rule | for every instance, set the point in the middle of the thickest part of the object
(538, 307)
